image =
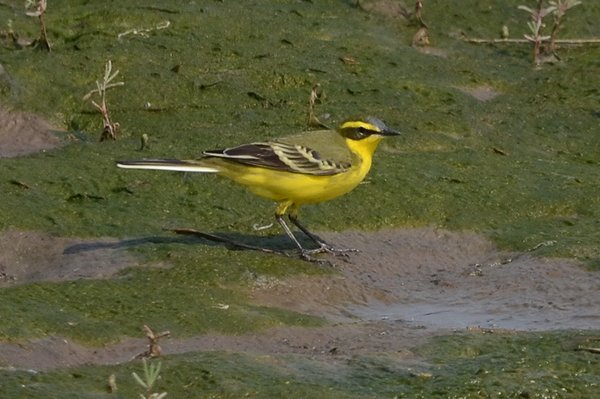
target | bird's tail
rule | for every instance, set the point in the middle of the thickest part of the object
(167, 164)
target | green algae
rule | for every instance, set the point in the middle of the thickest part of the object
(525, 160)
(462, 365)
(521, 168)
(533, 365)
(195, 296)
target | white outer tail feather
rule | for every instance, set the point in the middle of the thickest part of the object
(170, 167)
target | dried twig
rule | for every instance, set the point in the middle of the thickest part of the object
(588, 349)
(573, 42)
(560, 8)
(418, 14)
(421, 36)
(143, 32)
(154, 349)
(38, 9)
(543, 46)
(112, 384)
(316, 95)
(535, 26)
(110, 129)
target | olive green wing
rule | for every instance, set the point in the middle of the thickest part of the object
(318, 153)
(329, 145)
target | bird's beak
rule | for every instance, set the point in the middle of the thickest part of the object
(389, 132)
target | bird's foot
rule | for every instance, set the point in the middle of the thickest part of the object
(307, 255)
(326, 248)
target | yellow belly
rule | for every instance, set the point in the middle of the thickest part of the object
(295, 187)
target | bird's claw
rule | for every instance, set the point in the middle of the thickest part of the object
(307, 256)
(326, 248)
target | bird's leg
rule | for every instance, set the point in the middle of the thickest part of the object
(304, 253)
(323, 246)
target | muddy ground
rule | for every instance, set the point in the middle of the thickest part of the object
(403, 287)
(23, 133)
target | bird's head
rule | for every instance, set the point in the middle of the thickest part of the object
(363, 128)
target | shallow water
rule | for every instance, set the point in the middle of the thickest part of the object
(471, 315)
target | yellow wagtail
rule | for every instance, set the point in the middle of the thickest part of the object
(291, 173)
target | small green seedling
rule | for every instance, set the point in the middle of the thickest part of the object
(151, 376)
(536, 24)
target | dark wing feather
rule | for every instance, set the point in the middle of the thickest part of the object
(280, 156)
(255, 154)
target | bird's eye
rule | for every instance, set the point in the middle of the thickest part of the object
(356, 132)
(361, 133)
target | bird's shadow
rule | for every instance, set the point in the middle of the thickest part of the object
(279, 244)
